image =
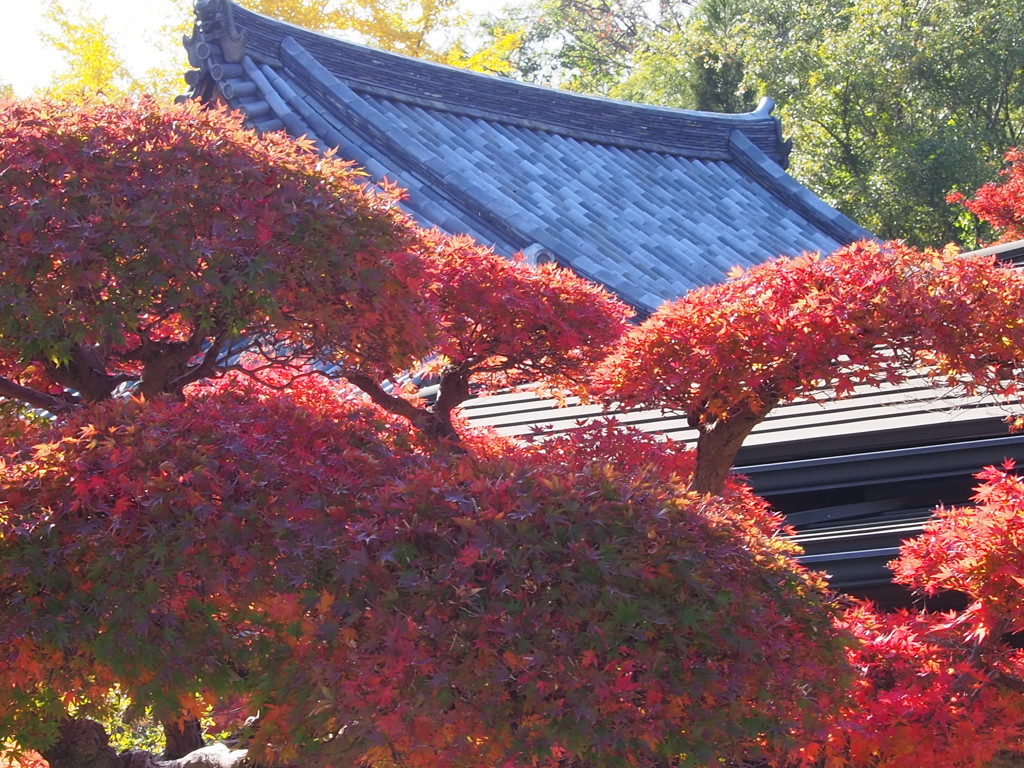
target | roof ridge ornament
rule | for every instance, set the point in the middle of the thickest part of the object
(232, 41)
(765, 106)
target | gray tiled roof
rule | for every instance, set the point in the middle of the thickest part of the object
(647, 200)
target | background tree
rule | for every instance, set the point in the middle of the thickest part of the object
(95, 56)
(583, 45)
(92, 63)
(493, 57)
(892, 107)
(425, 29)
(696, 62)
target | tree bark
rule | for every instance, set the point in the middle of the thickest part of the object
(182, 736)
(33, 398)
(436, 421)
(86, 373)
(717, 446)
(81, 743)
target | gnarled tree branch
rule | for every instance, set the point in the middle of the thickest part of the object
(34, 398)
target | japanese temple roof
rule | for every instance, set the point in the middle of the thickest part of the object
(649, 201)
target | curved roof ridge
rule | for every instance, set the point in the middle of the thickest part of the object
(441, 87)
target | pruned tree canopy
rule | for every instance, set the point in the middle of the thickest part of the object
(217, 495)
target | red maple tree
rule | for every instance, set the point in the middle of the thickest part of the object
(373, 598)
(815, 327)
(148, 245)
(941, 688)
(999, 203)
(277, 521)
(248, 529)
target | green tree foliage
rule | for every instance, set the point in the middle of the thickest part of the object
(670, 53)
(583, 45)
(893, 105)
(695, 62)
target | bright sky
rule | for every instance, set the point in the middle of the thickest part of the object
(23, 63)
(26, 62)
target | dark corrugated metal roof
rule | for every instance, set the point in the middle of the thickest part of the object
(855, 476)
(647, 200)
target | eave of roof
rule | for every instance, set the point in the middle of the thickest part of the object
(1010, 252)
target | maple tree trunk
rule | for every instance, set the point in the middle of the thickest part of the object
(434, 422)
(86, 373)
(182, 736)
(717, 447)
(1007, 759)
(81, 743)
(439, 428)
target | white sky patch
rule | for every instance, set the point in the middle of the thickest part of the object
(24, 61)
(28, 63)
